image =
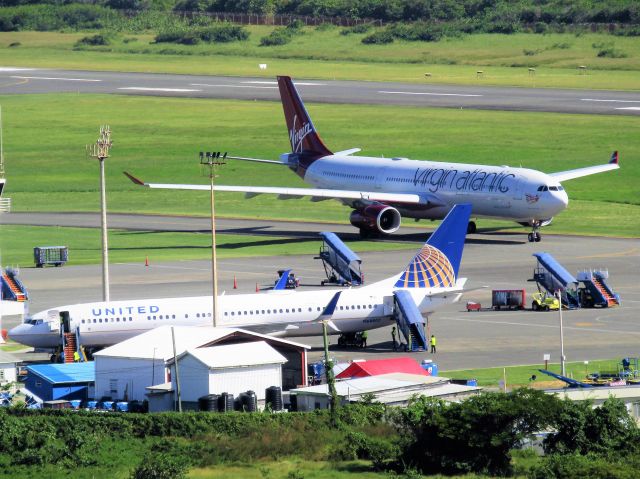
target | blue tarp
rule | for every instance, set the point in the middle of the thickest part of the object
(555, 269)
(65, 373)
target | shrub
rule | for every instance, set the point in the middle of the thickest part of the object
(612, 53)
(379, 37)
(282, 36)
(219, 33)
(360, 28)
(94, 40)
(156, 465)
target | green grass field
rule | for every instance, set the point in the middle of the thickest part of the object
(504, 59)
(519, 376)
(158, 140)
(85, 247)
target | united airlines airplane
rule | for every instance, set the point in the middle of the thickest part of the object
(431, 280)
(382, 190)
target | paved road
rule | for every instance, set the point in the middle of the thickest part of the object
(24, 81)
(487, 338)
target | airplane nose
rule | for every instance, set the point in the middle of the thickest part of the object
(19, 333)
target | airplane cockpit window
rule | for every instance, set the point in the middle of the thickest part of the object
(543, 188)
(553, 188)
(560, 188)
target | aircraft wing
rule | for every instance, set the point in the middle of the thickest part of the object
(589, 170)
(316, 194)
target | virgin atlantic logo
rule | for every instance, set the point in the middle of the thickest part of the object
(297, 135)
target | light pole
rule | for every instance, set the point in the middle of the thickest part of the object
(562, 358)
(100, 151)
(212, 160)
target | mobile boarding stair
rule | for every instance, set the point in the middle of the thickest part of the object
(70, 340)
(410, 321)
(341, 265)
(11, 287)
(552, 276)
(596, 291)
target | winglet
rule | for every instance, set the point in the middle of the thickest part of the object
(282, 282)
(614, 158)
(331, 306)
(137, 181)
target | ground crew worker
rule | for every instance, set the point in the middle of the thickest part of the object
(76, 357)
(433, 343)
(364, 339)
(393, 337)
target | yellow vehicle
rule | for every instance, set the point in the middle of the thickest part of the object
(544, 302)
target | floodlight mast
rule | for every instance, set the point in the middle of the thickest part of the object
(212, 160)
(100, 151)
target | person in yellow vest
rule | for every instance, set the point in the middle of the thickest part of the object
(433, 342)
(76, 357)
(364, 339)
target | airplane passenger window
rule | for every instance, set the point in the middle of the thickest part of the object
(209, 315)
(299, 310)
(130, 318)
(100, 320)
(280, 311)
(232, 313)
(287, 310)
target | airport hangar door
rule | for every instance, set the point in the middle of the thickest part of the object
(294, 371)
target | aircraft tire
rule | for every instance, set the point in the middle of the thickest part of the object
(530, 237)
(471, 227)
(537, 237)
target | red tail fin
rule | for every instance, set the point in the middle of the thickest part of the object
(302, 134)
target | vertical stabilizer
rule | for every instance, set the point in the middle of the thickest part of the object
(302, 134)
(436, 265)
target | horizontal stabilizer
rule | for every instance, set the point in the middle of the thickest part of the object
(347, 152)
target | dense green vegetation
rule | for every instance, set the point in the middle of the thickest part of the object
(158, 139)
(476, 436)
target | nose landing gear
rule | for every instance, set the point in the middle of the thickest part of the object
(535, 236)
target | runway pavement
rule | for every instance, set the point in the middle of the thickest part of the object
(32, 80)
(466, 339)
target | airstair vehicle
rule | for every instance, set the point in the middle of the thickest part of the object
(410, 321)
(70, 340)
(341, 265)
(588, 290)
(11, 287)
(5, 203)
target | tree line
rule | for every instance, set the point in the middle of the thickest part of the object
(480, 435)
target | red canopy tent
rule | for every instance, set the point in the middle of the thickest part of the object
(375, 367)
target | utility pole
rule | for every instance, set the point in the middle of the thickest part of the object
(212, 160)
(562, 358)
(100, 151)
(331, 380)
(175, 363)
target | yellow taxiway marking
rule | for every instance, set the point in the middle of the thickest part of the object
(587, 324)
(629, 252)
(22, 82)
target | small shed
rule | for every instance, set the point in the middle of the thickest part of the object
(376, 367)
(124, 371)
(232, 368)
(51, 382)
(8, 368)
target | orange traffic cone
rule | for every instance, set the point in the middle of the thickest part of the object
(257, 289)
(146, 261)
(235, 283)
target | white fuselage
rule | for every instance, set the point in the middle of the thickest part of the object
(282, 313)
(493, 191)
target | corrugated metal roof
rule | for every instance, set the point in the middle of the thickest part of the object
(394, 386)
(377, 367)
(598, 393)
(241, 354)
(65, 373)
(157, 342)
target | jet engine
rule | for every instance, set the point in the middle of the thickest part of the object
(376, 218)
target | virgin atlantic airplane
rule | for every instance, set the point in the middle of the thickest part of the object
(382, 190)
